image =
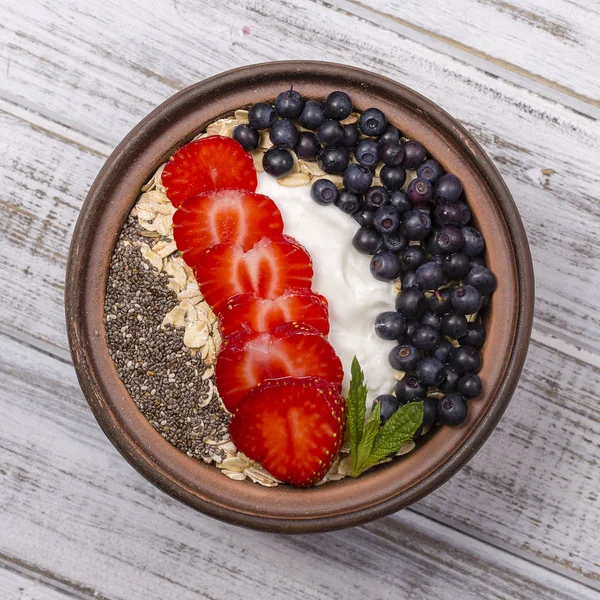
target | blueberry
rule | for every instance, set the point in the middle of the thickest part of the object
(390, 135)
(385, 266)
(312, 115)
(307, 146)
(465, 359)
(453, 325)
(411, 303)
(396, 241)
(350, 136)
(416, 225)
(430, 276)
(347, 202)
(475, 336)
(443, 351)
(372, 122)
(393, 178)
(338, 105)
(456, 266)
(333, 160)
(376, 197)
(430, 319)
(452, 213)
(440, 302)
(367, 240)
(430, 170)
(400, 201)
(452, 409)
(426, 338)
(331, 133)
(413, 257)
(388, 405)
(364, 217)
(368, 152)
(277, 162)
(431, 372)
(387, 219)
(482, 279)
(414, 154)
(466, 300)
(450, 382)
(392, 154)
(261, 116)
(410, 388)
(283, 134)
(469, 386)
(409, 279)
(390, 325)
(449, 239)
(289, 104)
(411, 327)
(478, 261)
(419, 190)
(357, 179)
(448, 188)
(247, 136)
(429, 412)
(431, 242)
(323, 192)
(404, 357)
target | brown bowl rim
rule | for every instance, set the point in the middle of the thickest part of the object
(109, 200)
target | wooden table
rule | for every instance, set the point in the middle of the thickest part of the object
(521, 521)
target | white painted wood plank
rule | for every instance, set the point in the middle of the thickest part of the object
(71, 506)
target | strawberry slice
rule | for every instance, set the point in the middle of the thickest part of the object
(291, 350)
(224, 217)
(250, 311)
(270, 267)
(293, 426)
(212, 163)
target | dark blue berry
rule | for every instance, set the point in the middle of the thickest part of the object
(364, 217)
(350, 136)
(419, 190)
(465, 359)
(404, 357)
(449, 239)
(393, 178)
(390, 135)
(247, 136)
(347, 202)
(307, 146)
(323, 192)
(395, 242)
(430, 276)
(376, 197)
(452, 409)
(448, 188)
(409, 279)
(426, 338)
(283, 134)
(411, 327)
(469, 386)
(452, 213)
(367, 240)
(443, 351)
(372, 122)
(392, 154)
(440, 302)
(387, 219)
(388, 405)
(312, 115)
(261, 116)
(338, 105)
(453, 325)
(450, 382)
(390, 325)
(430, 243)
(431, 372)
(429, 412)
(416, 225)
(277, 161)
(289, 104)
(333, 160)
(430, 319)
(478, 261)
(367, 152)
(385, 266)
(456, 266)
(475, 336)
(411, 303)
(357, 179)
(466, 300)
(399, 200)
(482, 279)
(410, 388)
(414, 154)
(331, 133)
(413, 257)
(430, 170)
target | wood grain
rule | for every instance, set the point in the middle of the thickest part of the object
(70, 505)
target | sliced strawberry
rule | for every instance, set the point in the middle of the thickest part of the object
(212, 163)
(293, 426)
(224, 217)
(270, 267)
(303, 306)
(291, 350)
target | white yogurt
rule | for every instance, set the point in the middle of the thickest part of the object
(342, 275)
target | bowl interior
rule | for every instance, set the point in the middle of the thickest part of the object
(349, 501)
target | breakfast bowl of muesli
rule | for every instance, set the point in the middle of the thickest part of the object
(299, 296)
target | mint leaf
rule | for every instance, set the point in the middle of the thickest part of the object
(356, 408)
(366, 443)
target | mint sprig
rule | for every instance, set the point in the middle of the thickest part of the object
(371, 442)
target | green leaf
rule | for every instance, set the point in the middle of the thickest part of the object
(356, 408)
(366, 443)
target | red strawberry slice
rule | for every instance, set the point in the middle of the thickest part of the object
(212, 163)
(269, 268)
(293, 426)
(292, 350)
(248, 310)
(224, 217)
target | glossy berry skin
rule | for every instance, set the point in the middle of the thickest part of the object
(347, 202)
(469, 386)
(411, 303)
(289, 104)
(466, 300)
(261, 116)
(429, 412)
(442, 352)
(440, 303)
(448, 188)
(399, 200)
(367, 240)
(404, 357)
(414, 154)
(393, 178)
(430, 319)
(431, 372)
(456, 266)
(307, 147)
(416, 225)
(390, 325)
(482, 279)
(395, 241)
(430, 170)
(430, 243)
(409, 279)
(450, 381)
(357, 179)
(283, 134)
(385, 266)
(331, 133)
(388, 405)
(430, 276)
(390, 135)
(313, 115)
(376, 197)
(413, 257)
(426, 338)
(453, 325)
(465, 360)
(475, 336)
(333, 160)
(420, 190)
(367, 152)
(452, 409)
(386, 219)
(364, 217)
(411, 327)
(452, 213)
(410, 388)
(350, 136)
(372, 122)
(277, 162)
(323, 192)
(392, 154)
(478, 261)
(473, 242)
(338, 105)
(247, 136)
(449, 239)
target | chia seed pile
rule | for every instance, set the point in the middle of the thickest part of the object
(159, 372)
